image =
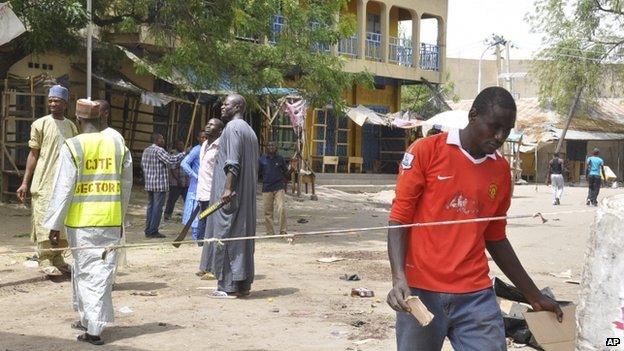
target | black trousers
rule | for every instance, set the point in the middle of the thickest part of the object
(594, 182)
(174, 194)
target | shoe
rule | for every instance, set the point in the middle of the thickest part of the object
(156, 235)
(587, 202)
(208, 276)
(557, 201)
(91, 339)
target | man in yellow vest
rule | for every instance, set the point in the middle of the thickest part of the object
(90, 197)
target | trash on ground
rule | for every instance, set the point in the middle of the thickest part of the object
(125, 310)
(144, 293)
(351, 278)
(571, 281)
(565, 274)
(549, 333)
(362, 342)
(362, 292)
(302, 221)
(419, 310)
(330, 259)
(275, 310)
(358, 323)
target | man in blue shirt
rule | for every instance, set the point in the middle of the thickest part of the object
(595, 167)
(273, 170)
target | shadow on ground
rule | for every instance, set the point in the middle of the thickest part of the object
(19, 342)
(266, 293)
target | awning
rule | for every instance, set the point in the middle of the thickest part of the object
(147, 97)
(10, 25)
(361, 115)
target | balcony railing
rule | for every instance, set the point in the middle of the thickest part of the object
(348, 46)
(373, 46)
(429, 57)
(401, 51)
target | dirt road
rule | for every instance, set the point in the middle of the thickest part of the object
(297, 303)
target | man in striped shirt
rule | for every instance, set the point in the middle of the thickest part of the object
(155, 163)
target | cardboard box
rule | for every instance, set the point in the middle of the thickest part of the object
(549, 333)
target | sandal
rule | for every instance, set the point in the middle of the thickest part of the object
(51, 271)
(208, 276)
(91, 339)
(217, 294)
(77, 325)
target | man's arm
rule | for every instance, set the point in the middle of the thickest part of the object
(188, 160)
(504, 256)
(168, 158)
(604, 176)
(228, 190)
(396, 253)
(31, 163)
(548, 175)
(62, 195)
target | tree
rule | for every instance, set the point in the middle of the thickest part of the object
(421, 99)
(209, 47)
(583, 39)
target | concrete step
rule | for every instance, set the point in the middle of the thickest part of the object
(348, 179)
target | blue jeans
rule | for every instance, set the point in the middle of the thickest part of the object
(472, 322)
(154, 211)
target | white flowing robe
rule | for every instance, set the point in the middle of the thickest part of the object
(92, 277)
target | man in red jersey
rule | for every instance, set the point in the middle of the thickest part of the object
(454, 176)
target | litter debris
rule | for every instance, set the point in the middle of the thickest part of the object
(419, 310)
(330, 259)
(162, 324)
(570, 281)
(565, 274)
(144, 293)
(302, 221)
(351, 278)
(125, 310)
(358, 323)
(275, 310)
(549, 333)
(362, 292)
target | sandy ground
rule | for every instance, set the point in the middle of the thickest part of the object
(297, 303)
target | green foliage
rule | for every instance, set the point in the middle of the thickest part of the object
(583, 38)
(202, 39)
(420, 99)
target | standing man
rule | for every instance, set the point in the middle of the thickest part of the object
(236, 171)
(274, 171)
(199, 165)
(47, 135)
(91, 194)
(595, 168)
(178, 183)
(455, 176)
(555, 176)
(190, 165)
(155, 163)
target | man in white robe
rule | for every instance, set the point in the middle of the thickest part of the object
(92, 276)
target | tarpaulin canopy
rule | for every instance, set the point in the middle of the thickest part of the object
(10, 26)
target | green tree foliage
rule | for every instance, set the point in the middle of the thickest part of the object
(583, 38)
(422, 100)
(216, 42)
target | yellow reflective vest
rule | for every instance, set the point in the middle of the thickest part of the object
(97, 195)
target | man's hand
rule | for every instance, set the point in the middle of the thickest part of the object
(397, 296)
(21, 192)
(545, 303)
(226, 197)
(54, 236)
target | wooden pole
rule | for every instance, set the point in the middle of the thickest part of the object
(190, 130)
(135, 117)
(577, 98)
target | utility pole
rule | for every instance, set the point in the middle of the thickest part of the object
(89, 47)
(492, 42)
(508, 66)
